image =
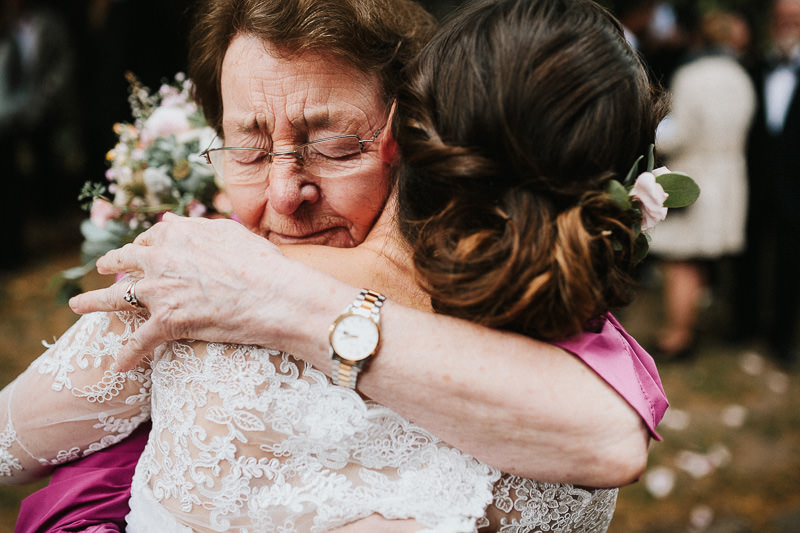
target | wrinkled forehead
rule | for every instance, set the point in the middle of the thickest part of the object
(270, 91)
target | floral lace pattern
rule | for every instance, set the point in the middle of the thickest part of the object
(551, 507)
(93, 407)
(7, 460)
(255, 439)
(250, 439)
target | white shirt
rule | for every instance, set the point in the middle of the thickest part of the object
(779, 86)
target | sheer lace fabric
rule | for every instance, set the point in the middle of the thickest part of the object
(68, 403)
(249, 439)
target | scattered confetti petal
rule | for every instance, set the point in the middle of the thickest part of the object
(695, 464)
(719, 455)
(700, 517)
(778, 382)
(752, 363)
(734, 416)
(676, 419)
(659, 481)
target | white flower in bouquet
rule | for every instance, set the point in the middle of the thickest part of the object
(154, 167)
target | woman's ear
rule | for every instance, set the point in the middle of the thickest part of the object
(388, 146)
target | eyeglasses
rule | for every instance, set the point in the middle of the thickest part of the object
(325, 158)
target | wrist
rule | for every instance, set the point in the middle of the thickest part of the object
(297, 314)
(354, 337)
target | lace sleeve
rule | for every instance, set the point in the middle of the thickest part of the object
(526, 506)
(68, 404)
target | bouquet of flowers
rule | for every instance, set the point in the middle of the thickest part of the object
(155, 167)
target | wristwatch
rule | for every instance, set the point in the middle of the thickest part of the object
(354, 337)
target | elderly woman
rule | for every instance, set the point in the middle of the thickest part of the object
(246, 435)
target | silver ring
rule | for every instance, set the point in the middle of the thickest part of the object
(130, 293)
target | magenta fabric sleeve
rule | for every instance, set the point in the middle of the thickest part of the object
(617, 358)
(88, 495)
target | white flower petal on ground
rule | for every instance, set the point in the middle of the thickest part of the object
(700, 517)
(778, 382)
(695, 464)
(659, 481)
(676, 419)
(719, 455)
(751, 363)
(734, 416)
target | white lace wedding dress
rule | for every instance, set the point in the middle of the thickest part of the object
(249, 439)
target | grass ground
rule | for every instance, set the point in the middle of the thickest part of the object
(729, 461)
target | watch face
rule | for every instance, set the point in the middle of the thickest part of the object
(354, 337)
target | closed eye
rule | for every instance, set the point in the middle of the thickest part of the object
(341, 148)
(248, 156)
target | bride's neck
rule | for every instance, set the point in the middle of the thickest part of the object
(382, 262)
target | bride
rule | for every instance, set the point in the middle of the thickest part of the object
(499, 195)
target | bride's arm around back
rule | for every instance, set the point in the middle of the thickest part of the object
(69, 403)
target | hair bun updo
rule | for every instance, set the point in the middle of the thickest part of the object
(515, 116)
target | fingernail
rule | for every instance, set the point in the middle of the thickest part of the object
(75, 305)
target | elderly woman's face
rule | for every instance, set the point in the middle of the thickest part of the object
(278, 103)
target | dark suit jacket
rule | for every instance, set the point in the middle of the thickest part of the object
(774, 160)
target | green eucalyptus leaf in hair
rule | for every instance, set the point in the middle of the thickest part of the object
(640, 247)
(681, 188)
(618, 193)
(633, 172)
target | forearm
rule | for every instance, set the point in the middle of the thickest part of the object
(522, 406)
(525, 407)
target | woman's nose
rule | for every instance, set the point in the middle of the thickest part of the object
(288, 185)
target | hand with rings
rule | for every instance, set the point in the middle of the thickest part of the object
(190, 291)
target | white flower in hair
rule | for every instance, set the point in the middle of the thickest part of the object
(651, 197)
(650, 194)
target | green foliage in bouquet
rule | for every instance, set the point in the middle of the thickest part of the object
(154, 167)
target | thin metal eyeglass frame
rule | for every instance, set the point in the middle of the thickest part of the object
(296, 152)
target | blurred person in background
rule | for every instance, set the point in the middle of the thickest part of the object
(768, 284)
(713, 102)
(38, 118)
(635, 17)
(10, 98)
(656, 30)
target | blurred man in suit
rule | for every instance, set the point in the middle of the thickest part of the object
(769, 286)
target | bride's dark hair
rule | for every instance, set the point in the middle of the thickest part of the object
(517, 113)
